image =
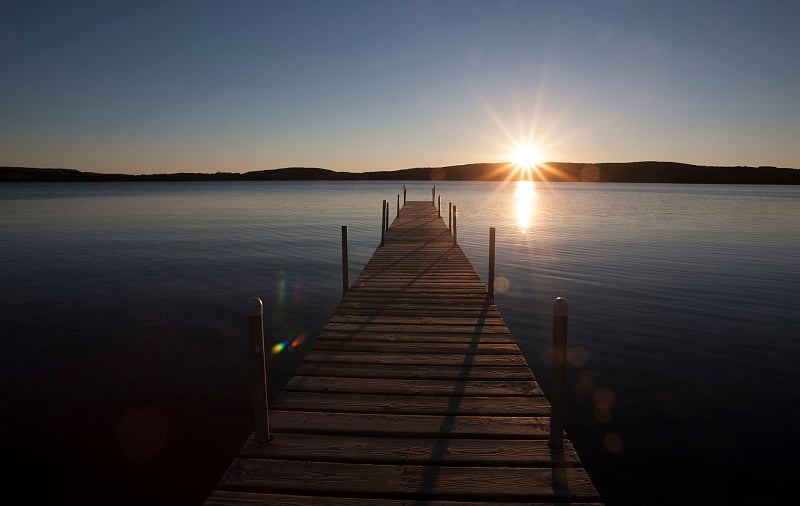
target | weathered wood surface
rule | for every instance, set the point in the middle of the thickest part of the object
(414, 393)
(231, 498)
(411, 386)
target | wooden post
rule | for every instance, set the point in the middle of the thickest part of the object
(404, 194)
(383, 222)
(440, 205)
(455, 224)
(398, 206)
(386, 203)
(345, 263)
(255, 320)
(433, 194)
(491, 263)
(449, 216)
(559, 401)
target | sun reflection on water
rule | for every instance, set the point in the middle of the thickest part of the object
(525, 198)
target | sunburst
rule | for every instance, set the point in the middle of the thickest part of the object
(526, 159)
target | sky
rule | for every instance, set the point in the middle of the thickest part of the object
(234, 86)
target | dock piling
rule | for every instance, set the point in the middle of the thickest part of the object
(491, 263)
(398, 206)
(345, 263)
(440, 205)
(259, 366)
(450, 216)
(383, 223)
(404, 194)
(433, 194)
(558, 401)
(455, 226)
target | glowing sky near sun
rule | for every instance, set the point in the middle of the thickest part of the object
(362, 85)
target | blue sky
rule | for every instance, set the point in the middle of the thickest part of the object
(234, 86)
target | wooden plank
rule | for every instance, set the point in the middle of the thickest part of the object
(443, 280)
(419, 319)
(407, 481)
(234, 498)
(419, 285)
(416, 301)
(425, 259)
(382, 289)
(412, 359)
(432, 300)
(422, 268)
(426, 328)
(421, 272)
(373, 385)
(413, 451)
(396, 303)
(401, 287)
(436, 426)
(429, 347)
(384, 307)
(431, 311)
(414, 404)
(405, 337)
(431, 372)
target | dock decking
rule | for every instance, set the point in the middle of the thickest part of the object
(414, 393)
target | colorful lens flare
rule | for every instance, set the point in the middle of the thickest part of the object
(291, 342)
(299, 340)
(279, 347)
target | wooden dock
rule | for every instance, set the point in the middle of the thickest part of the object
(414, 393)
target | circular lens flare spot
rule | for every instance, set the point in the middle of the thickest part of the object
(501, 284)
(577, 356)
(613, 442)
(604, 398)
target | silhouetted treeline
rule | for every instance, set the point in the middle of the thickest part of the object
(628, 172)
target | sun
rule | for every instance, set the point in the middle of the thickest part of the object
(526, 156)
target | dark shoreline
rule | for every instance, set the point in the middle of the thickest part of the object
(626, 172)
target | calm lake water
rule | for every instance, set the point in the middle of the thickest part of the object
(124, 369)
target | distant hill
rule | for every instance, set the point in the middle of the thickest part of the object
(627, 172)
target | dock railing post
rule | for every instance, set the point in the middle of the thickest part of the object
(491, 263)
(455, 225)
(383, 222)
(404, 194)
(387, 215)
(433, 194)
(440, 205)
(558, 401)
(398, 206)
(345, 263)
(450, 216)
(255, 320)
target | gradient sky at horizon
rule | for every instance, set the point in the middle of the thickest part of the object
(207, 86)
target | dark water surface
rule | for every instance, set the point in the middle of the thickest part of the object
(124, 369)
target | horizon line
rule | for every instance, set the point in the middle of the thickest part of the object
(233, 172)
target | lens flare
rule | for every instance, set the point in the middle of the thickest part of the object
(290, 342)
(613, 442)
(279, 347)
(501, 284)
(299, 340)
(526, 156)
(281, 295)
